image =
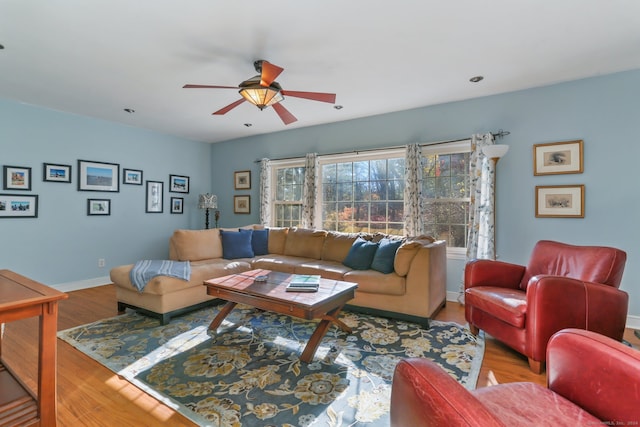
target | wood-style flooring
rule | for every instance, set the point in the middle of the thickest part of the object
(91, 395)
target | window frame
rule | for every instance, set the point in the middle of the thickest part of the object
(274, 166)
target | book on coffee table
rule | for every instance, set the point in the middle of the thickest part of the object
(304, 283)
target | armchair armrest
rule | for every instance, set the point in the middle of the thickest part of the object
(485, 272)
(596, 373)
(423, 394)
(558, 302)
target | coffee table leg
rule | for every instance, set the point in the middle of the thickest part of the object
(321, 330)
(217, 321)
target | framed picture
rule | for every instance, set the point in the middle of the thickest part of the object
(178, 184)
(17, 178)
(558, 158)
(154, 199)
(56, 173)
(18, 206)
(98, 206)
(177, 205)
(98, 176)
(560, 201)
(242, 204)
(132, 176)
(242, 180)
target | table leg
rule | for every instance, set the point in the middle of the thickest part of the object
(217, 321)
(321, 330)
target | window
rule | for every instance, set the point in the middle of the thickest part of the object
(288, 179)
(446, 192)
(363, 193)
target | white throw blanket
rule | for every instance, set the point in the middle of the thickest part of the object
(145, 270)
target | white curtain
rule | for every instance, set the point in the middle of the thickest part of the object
(413, 204)
(265, 192)
(481, 236)
(309, 190)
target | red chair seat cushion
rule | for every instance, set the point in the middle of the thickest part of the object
(508, 305)
(529, 404)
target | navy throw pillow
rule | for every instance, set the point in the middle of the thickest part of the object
(260, 242)
(361, 254)
(385, 255)
(236, 244)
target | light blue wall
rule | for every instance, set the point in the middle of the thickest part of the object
(63, 244)
(602, 111)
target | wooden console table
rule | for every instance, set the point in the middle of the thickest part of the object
(20, 298)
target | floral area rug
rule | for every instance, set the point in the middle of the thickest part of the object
(249, 373)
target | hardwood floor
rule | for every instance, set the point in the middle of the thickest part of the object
(91, 395)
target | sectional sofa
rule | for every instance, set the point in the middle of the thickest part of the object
(399, 278)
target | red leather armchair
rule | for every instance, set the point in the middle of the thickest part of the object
(563, 286)
(592, 380)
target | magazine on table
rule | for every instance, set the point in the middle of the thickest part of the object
(304, 283)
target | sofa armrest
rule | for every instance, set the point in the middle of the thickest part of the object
(485, 272)
(597, 373)
(557, 302)
(423, 394)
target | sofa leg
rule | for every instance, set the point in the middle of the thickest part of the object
(165, 319)
(536, 366)
(121, 307)
(474, 329)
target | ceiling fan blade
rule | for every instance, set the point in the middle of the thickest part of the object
(208, 87)
(314, 96)
(269, 73)
(284, 114)
(229, 107)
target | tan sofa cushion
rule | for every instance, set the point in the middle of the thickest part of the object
(304, 243)
(404, 256)
(336, 246)
(277, 239)
(195, 245)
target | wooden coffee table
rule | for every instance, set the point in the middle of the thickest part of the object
(271, 295)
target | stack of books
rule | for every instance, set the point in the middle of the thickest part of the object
(304, 283)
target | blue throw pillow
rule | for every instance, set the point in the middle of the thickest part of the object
(361, 254)
(260, 242)
(385, 255)
(236, 244)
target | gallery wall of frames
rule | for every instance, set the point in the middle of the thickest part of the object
(17, 200)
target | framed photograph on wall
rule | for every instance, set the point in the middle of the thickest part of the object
(154, 198)
(558, 158)
(98, 206)
(178, 184)
(17, 178)
(98, 176)
(560, 201)
(177, 205)
(242, 180)
(18, 206)
(242, 204)
(132, 176)
(56, 173)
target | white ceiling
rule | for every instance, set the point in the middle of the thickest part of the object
(98, 57)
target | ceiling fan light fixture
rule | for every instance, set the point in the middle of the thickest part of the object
(260, 96)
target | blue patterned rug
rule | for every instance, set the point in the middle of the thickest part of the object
(249, 373)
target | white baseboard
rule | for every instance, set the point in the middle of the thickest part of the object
(633, 322)
(82, 284)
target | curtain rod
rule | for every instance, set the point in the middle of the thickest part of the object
(499, 134)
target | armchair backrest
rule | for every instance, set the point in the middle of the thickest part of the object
(598, 264)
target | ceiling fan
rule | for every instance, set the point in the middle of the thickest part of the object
(263, 91)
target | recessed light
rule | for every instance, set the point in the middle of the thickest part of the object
(338, 107)
(248, 125)
(1, 46)
(130, 110)
(476, 79)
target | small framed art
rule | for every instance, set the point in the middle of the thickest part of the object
(132, 176)
(18, 206)
(178, 184)
(56, 173)
(242, 204)
(177, 205)
(154, 199)
(560, 201)
(98, 176)
(98, 207)
(558, 158)
(242, 180)
(17, 178)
